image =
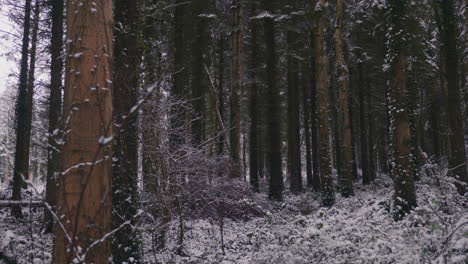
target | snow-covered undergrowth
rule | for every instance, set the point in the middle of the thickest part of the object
(359, 229)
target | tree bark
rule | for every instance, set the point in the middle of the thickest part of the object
(273, 108)
(326, 180)
(85, 194)
(313, 118)
(23, 112)
(253, 104)
(457, 157)
(403, 168)
(294, 149)
(345, 177)
(126, 241)
(55, 108)
(198, 70)
(236, 81)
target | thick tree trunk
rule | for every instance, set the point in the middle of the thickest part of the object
(457, 157)
(273, 108)
(253, 105)
(403, 168)
(85, 194)
(326, 180)
(294, 148)
(126, 242)
(55, 108)
(23, 110)
(236, 81)
(345, 177)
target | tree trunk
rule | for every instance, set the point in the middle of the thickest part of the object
(403, 168)
(313, 119)
(55, 108)
(294, 149)
(179, 76)
(125, 243)
(457, 157)
(198, 70)
(236, 80)
(345, 177)
(326, 180)
(273, 108)
(23, 112)
(363, 125)
(253, 105)
(85, 194)
(370, 133)
(306, 119)
(221, 132)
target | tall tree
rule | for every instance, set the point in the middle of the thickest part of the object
(273, 107)
(294, 149)
(200, 39)
(180, 72)
(85, 194)
(55, 107)
(403, 165)
(23, 117)
(236, 81)
(326, 181)
(125, 244)
(457, 156)
(253, 101)
(346, 177)
(313, 116)
(306, 120)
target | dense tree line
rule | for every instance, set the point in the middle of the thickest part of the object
(299, 96)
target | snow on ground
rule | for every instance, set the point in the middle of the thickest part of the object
(356, 230)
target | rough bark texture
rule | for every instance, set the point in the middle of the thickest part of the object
(23, 109)
(253, 104)
(84, 198)
(236, 81)
(294, 149)
(345, 177)
(55, 107)
(457, 157)
(403, 168)
(326, 181)
(273, 109)
(126, 241)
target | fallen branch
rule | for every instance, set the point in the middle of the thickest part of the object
(9, 203)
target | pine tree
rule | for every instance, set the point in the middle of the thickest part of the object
(403, 168)
(23, 119)
(125, 244)
(55, 107)
(346, 177)
(294, 149)
(85, 192)
(326, 181)
(273, 107)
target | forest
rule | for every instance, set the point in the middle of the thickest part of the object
(233, 131)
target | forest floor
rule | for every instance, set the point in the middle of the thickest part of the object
(359, 229)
